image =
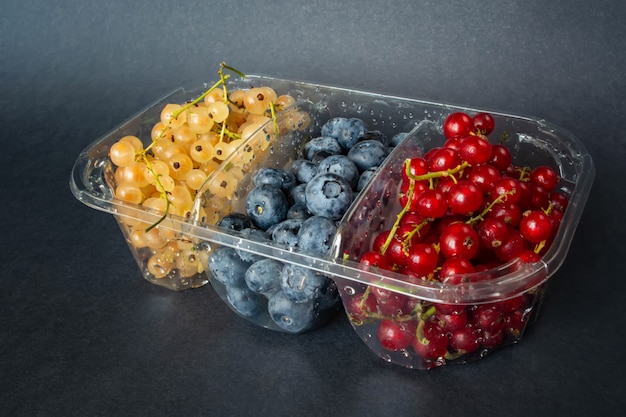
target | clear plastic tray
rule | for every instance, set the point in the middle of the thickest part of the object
(515, 289)
(533, 140)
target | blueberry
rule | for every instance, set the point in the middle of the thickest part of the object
(319, 156)
(289, 316)
(286, 232)
(277, 177)
(321, 143)
(253, 234)
(328, 195)
(266, 205)
(227, 266)
(263, 276)
(366, 177)
(328, 299)
(316, 235)
(303, 169)
(301, 284)
(376, 135)
(235, 221)
(397, 138)
(342, 166)
(298, 211)
(297, 194)
(244, 301)
(345, 130)
(367, 154)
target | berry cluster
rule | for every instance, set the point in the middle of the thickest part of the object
(466, 209)
(298, 207)
(188, 143)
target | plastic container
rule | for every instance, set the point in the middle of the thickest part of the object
(496, 304)
(532, 141)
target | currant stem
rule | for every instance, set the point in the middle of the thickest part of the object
(273, 113)
(407, 237)
(437, 174)
(144, 152)
(540, 246)
(404, 210)
(419, 331)
(481, 216)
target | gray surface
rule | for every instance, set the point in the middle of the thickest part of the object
(82, 334)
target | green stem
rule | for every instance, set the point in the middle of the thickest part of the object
(144, 152)
(481, 216)
(437, 174)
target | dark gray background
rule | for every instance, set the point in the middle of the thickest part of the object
(82, 334)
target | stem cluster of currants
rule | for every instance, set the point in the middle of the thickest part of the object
(187, 144)
(466, 209)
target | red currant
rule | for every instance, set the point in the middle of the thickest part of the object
(545, 177)
(515, 322)
(466, 339)
(538, 197)
(453, 270)
(506, 188)
(422, 258)
(359, 308)
(488, 317)
(396, 335)
(493, 232)
(484, 123)
(512, 304)
(453, 322)
(464, 197)
(501, 157)
(513, 246)
(457, 124)
(405, 191)
(430, 203)
(453, 143)
(459, 240)
(395, 250)
(483, 176)
(559, 201)
(431, 343)
(535, 226)
(529, 256)
(391, 305)
(417, 166)
(375, 259)
(444, 159)
(491, 339)
(510, 213)
(475, 149)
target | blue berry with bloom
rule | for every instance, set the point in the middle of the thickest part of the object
(266, 205)
(329, 195)
(345, 130)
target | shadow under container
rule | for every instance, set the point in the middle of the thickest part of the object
(514, 290)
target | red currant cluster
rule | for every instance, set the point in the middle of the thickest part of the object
(466, 209)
